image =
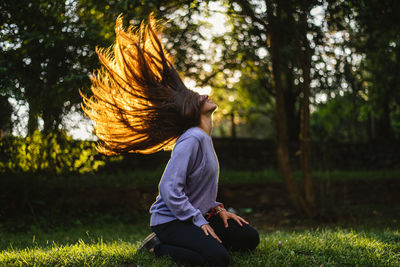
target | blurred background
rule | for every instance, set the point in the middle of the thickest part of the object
(308, 118)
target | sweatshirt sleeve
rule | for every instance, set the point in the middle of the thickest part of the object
(173, 181)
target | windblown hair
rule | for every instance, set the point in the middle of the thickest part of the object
(139, 102)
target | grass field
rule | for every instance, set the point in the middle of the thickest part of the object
(104, 240)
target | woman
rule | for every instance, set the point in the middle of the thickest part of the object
(141, 105)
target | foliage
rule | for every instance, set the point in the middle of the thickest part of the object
(44, 58)
(48, 154)
(370, 61)
(339, 119)
(48, 48)
(241, 78)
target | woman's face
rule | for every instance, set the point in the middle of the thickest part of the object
(207, 106)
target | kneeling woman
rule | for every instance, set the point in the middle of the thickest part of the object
(141, 105)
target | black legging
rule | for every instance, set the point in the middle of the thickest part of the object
(187, 244)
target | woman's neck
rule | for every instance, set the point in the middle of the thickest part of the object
(206, 124)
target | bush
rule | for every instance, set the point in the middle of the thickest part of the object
(48, 154)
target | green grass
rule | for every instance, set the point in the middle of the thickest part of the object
(108, 241)
(334, 247)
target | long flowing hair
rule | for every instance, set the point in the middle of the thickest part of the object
(139, 102)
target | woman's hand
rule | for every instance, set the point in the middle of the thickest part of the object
(225, 215)
(209, 231)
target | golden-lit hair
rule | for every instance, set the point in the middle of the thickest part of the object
(139, 102)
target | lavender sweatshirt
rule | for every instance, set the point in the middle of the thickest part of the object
(188, 187)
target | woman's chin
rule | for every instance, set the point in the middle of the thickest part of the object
(213, 108)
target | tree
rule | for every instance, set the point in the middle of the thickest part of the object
(286, 74)
(45, 52)
(371, 29)
(48, 48)
(242, 80)
(339, 120)
(5, 116)
(43, 59)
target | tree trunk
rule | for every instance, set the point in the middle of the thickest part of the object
(52, 119)
(303, 49)
(371, 127)
(280, 119)
(292, 115)
(33, 116)
(383, 130)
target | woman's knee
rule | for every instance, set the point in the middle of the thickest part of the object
(217, 257)
(247, 239)
(253, 238)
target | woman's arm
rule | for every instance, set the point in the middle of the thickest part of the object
(173, 182)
